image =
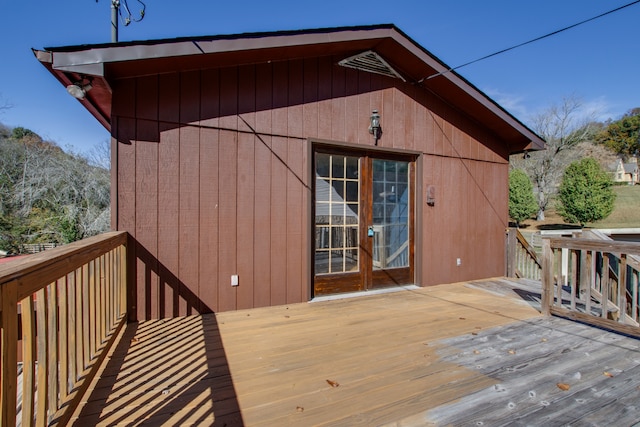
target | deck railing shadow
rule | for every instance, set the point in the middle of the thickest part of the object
(168, 371)
(63, 310)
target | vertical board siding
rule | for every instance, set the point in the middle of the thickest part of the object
(310, 93)
(264, 159)
(209, 220)
(245, 219)
(213, 175)
(209, 190)
(146, 161)
(228, 234)
(279, 217)
(246, 185)
(325, 127)
(189, 179)
(262, 253)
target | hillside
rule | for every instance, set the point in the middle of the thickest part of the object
(47, 194)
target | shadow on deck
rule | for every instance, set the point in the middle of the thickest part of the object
(463, 354)
(165, 372)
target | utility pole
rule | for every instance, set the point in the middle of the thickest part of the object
(115, 5)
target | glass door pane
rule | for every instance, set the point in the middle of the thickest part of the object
(390, 198)
(337, 208)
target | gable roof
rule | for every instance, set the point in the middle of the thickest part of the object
(393, 52)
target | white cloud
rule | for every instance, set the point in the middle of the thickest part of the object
(511, 102)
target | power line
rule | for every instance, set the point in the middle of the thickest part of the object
(530, 41)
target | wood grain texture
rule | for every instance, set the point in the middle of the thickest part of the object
(262, 116)
(445, 355)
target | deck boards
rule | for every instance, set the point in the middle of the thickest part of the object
(455, 354)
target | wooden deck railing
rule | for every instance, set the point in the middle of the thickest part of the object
(522, 259)
(61, 310)
(601, 287)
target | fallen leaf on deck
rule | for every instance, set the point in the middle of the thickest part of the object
(286, 317)
(476, 351)
(332, 383)
(543, 340)
(299, 409)
(607, 374)
(462, 318)
(134, 340)
(563, 386)
(474, 333)
(512, 352)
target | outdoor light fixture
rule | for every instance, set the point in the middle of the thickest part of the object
(526, 155)
(79, 90)
(374, 128)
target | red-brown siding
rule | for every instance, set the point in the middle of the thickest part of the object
(213, 179)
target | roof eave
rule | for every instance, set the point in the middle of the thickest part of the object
(67, 63)
(97, 101)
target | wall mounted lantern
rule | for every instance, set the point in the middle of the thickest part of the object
(79, 90)
(374, 128)
(526, 155)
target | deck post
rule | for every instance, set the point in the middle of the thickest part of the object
(547, 277)
(512, 240)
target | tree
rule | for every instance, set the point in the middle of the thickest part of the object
(48, 195)
(522, 203)
(586, 193)
(563, 127)
(622, 136)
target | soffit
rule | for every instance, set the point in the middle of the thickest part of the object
(401, 54)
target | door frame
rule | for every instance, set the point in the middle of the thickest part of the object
(351, 281)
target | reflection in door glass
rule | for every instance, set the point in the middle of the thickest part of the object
(390, 214)
(337, 205)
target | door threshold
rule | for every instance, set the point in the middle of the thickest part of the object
(365, 293)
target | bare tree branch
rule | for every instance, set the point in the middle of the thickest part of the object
(563, 127)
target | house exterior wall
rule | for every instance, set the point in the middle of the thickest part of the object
(213, 178)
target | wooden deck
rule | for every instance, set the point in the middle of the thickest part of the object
(463, 354)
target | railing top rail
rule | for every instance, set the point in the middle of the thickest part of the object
(38, 270)
(577, 243)
(528, 247)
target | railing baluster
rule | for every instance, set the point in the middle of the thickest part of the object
(73, 360)
(43, 355)
(573, 281)
(9, 369)
(81, 302)
(584, 279)
(604, 284)
(63, 349)
(547, 278)
(592, 278)
(606, 271)
(634, 303)
(28, 360)
(52, 369)
(69, 320)
(558, 274)
(93, 338)
(622, 288)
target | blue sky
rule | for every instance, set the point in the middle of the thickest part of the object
(598, 61)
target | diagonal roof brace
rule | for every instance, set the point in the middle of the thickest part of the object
(371, 62)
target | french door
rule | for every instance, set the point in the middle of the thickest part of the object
(364, 221)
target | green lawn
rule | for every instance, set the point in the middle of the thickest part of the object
(626, 213)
